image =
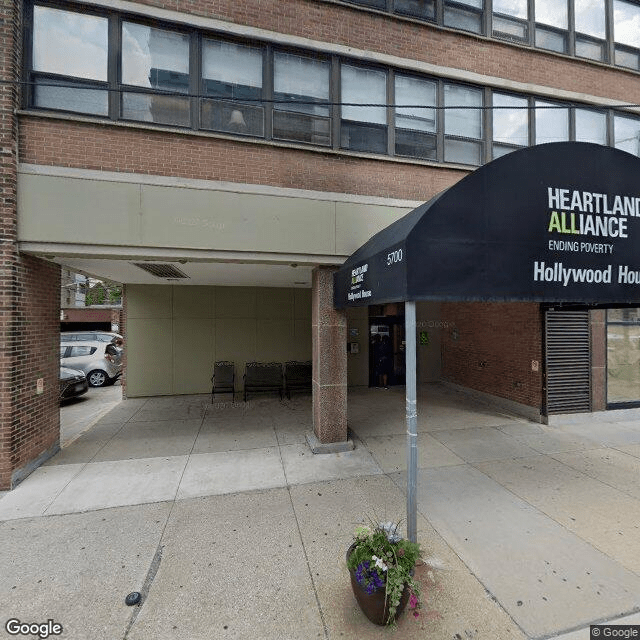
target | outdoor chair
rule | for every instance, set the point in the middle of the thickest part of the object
(297, 376)
(223, 378)
(263, 377)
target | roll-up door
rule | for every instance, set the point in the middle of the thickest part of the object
(568, 363)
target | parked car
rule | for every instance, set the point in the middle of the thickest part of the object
(82, 336)
(100, 361)
(73, 383)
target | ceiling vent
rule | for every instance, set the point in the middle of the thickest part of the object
(161, 270)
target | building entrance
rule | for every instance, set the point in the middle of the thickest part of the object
(386, 345)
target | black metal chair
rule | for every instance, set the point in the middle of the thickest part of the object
(223, 379)
(263, 377)
(297, 376)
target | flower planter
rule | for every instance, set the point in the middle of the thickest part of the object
(375, 605)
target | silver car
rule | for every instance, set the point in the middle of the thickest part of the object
(83, 336)
(101, 361)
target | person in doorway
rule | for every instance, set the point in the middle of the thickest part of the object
(384, 361)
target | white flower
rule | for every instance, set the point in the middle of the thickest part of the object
(379, 563)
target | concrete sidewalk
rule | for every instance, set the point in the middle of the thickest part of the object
(231, 528)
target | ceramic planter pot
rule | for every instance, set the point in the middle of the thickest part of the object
(375, 605)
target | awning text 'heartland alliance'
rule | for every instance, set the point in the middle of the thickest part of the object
(590, 214)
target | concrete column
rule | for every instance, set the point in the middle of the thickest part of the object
(597, 319)
(329, 329)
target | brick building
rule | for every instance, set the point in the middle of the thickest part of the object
(219, 160)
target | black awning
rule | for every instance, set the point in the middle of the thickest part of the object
(552, 223)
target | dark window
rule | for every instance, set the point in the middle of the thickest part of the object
(425, 9)
(464, 14)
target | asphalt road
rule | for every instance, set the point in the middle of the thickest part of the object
(79, 414)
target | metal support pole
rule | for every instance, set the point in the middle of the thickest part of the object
(412, 419)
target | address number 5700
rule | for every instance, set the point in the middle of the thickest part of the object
(393, 257)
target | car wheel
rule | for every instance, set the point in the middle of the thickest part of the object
(98, 378)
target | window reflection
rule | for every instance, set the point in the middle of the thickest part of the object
(157, 59)
(70, 44)
(591, 126)
(417, 8)
(626, 23)
(232, 74)
(302, 84)
(465, 122)
(552, 123)
(464, 14)
(623, 356)
(415, 124)
(554, 13)
(363, 127)
(626, 133)
(510, 124)
(590, 17)
(515, 8)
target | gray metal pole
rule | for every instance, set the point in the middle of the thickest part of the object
(412, 419)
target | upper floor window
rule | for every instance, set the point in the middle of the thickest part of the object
(232, 77)
(464, 14)
(462, 124)
(510, 123)
(552, 122)
(626, 33)
(363, 128)
(591, 29)
(69, 60)
(195, 79)
(552, 23)
(415, 125)
(425, 9)
(510, 19)
(627, 134)
(301, 94)
(591, 126)
(155, 59)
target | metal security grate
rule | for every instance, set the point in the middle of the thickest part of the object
(568, 362)
(161, 270)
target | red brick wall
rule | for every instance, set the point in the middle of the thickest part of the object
(9, 64)
(29, 297)
(115, 148)
(495, 346)
(35, 422)
(353, 26)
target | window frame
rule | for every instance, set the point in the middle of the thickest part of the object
(196, 94)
